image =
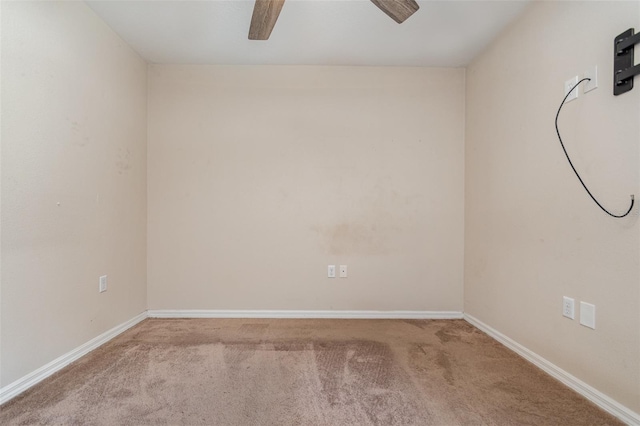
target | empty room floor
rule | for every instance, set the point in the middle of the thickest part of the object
(302, 372)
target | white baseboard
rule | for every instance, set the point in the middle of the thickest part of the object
(601, 400)
(168, 313)
(14, 389)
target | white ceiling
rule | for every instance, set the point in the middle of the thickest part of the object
(308, 32)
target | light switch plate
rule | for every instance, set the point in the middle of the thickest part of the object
(568, 85)
(588, 315)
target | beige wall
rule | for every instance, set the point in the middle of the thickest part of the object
(259, 177)
(532, 233)
(73, 181)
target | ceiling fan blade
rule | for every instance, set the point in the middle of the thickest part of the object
(265, 15)
(398, 10)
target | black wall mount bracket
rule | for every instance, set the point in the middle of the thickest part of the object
(623, 68)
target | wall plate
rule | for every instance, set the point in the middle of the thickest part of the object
(591, 73)
(588, 315)
(567, 87)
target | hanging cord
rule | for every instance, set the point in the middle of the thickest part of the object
(571, 164)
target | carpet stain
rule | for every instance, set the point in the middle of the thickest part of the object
(421, 324)
(447, 335)
(253, 329)
(121, 394)
(421, 349)
(236, 353)
(291, 346)
(444, 362)
(331, 360)
(508, 388)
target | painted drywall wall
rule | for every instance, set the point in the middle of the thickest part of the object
(532, 233)
(73, 182)
(259, 177)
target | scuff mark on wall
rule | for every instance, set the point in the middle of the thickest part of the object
(351, 237)
(382, 216)
(123, 160)
(79, 136)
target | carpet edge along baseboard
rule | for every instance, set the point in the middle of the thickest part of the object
(592, 394)
(22, 384)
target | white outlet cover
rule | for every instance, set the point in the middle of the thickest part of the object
(568, 85)
(591, 73)
(102, 287)
(588, 315)
(331, 271)
(568, 307)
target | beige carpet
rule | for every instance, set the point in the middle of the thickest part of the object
(302, 372)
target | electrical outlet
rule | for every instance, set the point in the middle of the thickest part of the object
(331, 271)
(567, 87)
(343, 271)
(568, 307)
(103, 284)
(591, 73)
(588, 315)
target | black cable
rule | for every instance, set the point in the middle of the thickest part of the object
(571, 164)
